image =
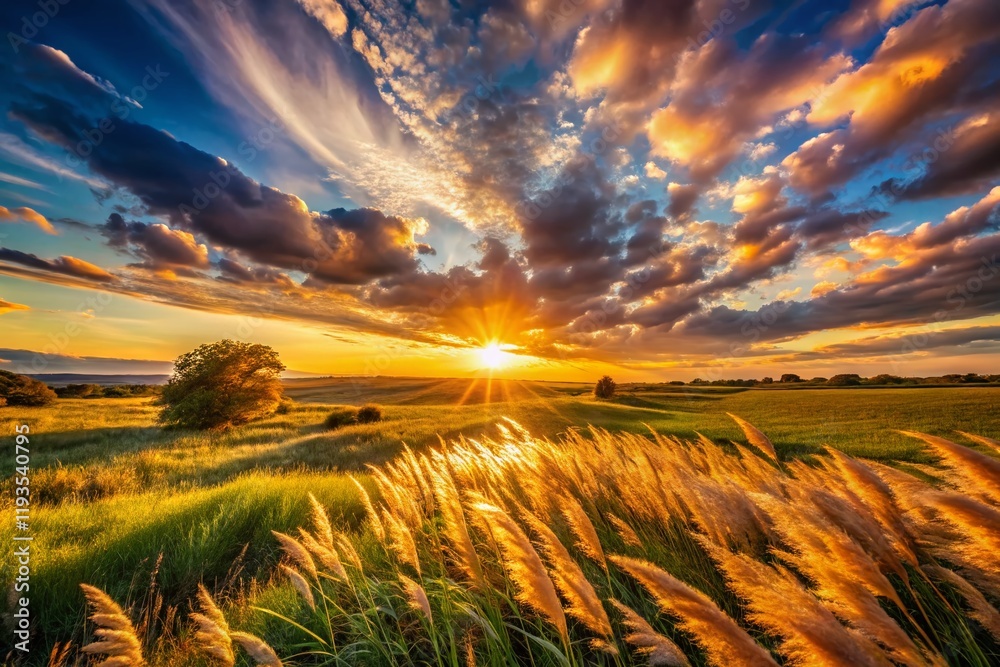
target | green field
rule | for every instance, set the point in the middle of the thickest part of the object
(120, 502)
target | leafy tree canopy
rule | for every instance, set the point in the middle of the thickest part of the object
(222, 384)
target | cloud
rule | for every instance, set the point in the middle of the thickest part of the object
(327, 12)
(8, 307)
(16, 149)
(203, 195)
(28, 361)
(65, 265)
(933, 65)
(156, 244)
(27, 215)
(722, 96)
(23, 182)
(964, 161)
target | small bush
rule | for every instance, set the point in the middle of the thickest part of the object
(605, 387)
(21, 390)
(369, 414)
(341, 417)
(845, 380)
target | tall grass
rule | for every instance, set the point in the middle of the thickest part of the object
(622, 549)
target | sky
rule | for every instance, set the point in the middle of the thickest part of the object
(538, 189)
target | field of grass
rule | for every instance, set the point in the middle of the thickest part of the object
(119, 502)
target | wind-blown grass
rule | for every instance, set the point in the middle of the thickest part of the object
(714, 556)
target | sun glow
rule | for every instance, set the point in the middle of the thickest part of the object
(492, 356)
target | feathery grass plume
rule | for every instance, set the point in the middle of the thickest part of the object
(534, 587)
(345, 547)
(584, 603)
(59, 655)
(455, 527)
(397, 496)
(297, 553)
(838, 506)
(755, 437)
(417, 597)
(373, 516)
(257, 649)
(586, 536)
(982, 440)
(470, 650)
(982, 611)
(982, 472)
(625, 531)
(878, 497)
(419, 477)
(300, 584)
(811, 636)
(938, 534)
(657, 648)
(327, 555)
(116, 635)
(979, 541)
(401, 540)
(725, 642)
(321, 522)
(844, 576)
(213, 631)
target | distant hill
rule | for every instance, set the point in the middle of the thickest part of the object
(60, 379)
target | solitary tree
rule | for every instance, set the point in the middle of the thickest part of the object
(22, 390)
(790, 377)
(222, 384)
(605, 387)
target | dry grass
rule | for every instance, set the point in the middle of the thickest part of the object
(623, 549)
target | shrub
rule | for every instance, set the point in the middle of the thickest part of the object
(341, 417)
(369, 414)
(845, 380)
(605, 387)
(22, 390)
(222, 384)
(79, 391)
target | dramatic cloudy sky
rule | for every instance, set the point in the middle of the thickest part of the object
(714, 188)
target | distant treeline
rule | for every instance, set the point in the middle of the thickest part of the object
(106, 391)
(848, 380)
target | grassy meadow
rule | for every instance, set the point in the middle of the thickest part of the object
(441, 555)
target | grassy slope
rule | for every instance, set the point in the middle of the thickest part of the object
(113, 490)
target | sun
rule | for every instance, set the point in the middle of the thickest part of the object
(492, 356)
